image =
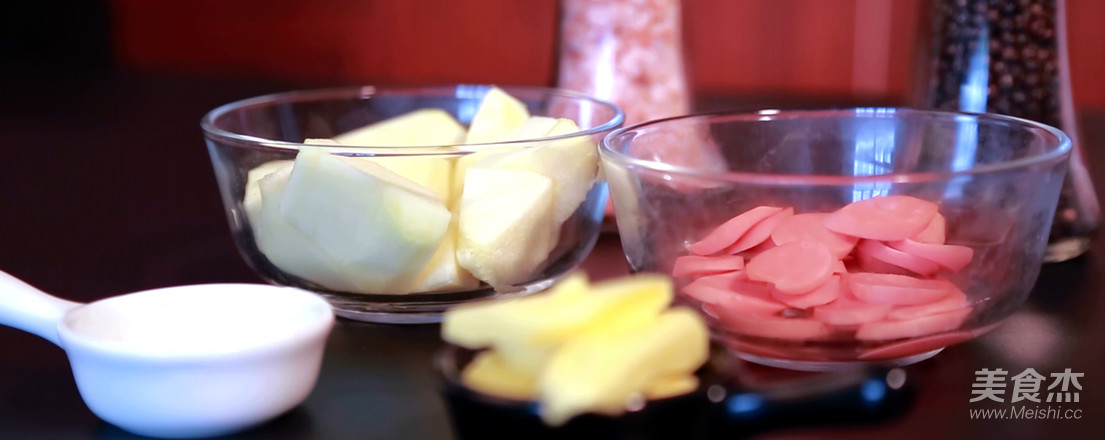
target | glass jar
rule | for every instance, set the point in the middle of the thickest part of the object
(626, 52)
(1010, 57)
(629, 52)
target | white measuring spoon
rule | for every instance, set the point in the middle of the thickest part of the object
(180, 362)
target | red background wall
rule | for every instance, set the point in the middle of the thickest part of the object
(824, 47)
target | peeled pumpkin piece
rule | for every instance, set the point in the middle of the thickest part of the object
(533, 128)
(598, 374)
(371, 221)
(671, 386)
(443, 273)
(528, 340)
(498, 115)
(420, 128)
(528, 356)
(286, 247)
(610, 307)
(463, 163)
(489, 373)
(506, 228)
(572, 309)
(484, 324)
(572, 163)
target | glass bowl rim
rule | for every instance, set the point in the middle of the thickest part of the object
(212, 132)
(1059, 153)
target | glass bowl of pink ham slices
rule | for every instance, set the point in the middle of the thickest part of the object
(395, 203)
(819, 240)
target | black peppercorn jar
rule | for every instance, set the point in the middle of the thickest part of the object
(1010, 57)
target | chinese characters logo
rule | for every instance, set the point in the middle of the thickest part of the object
(991, 385)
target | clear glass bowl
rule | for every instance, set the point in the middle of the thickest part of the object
(996, 180)
(244, 135)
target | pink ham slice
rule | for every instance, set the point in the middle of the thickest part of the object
(880, 251)
(731, 231)
(761, 350)
(752, 297)
(797, 353)
(729, 292)
(892, 245)
(935, 232)
(811, 227)
(711, 288)
(760, 232)
(883, 218)
(723, 280)
(847, 311)
(694, 265)
(826, 293)
(916, 346)
(793, 268)
(901, 290)
(949, 256)
(864, 262)
(889, 330)
(774, 327)
(758, 249)
(954, 301)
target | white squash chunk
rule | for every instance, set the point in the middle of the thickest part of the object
(286, 247)
(433, 172)
(370, 220)
(251, 202)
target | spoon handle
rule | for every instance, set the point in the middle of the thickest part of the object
(24, 307)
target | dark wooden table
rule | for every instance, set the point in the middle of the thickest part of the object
(106, 188)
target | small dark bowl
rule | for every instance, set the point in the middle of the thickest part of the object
(731, 402)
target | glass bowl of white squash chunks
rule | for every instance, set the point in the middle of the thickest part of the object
(820, 240)
(395, 203)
